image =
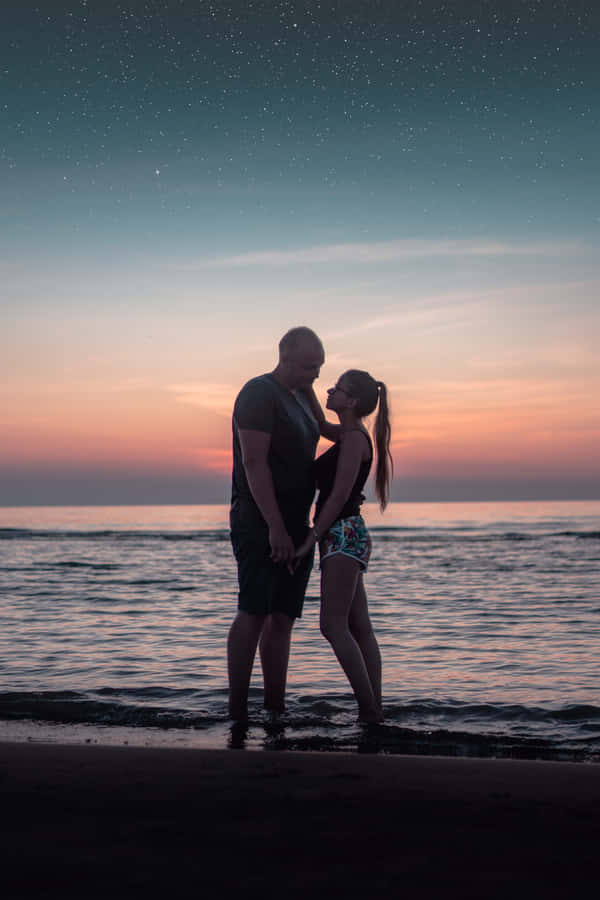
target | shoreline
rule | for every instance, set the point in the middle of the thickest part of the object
(263, 736)
(86, 820)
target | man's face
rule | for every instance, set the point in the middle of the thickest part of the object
(302, 365)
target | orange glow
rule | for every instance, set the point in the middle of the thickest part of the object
(440, 428)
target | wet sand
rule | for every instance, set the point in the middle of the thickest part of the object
(112, 822)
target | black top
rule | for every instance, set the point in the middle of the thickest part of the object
(265, 405)
(325, 469)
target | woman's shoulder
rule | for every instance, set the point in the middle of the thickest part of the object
(351, 439)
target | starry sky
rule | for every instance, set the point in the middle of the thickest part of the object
(182, 182)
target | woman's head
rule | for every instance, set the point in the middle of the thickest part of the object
(362, 388)
(366, 395)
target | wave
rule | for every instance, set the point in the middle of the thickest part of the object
(384, 533)
(8, 534)
(425, 727)
(509, 712)
(73, 707)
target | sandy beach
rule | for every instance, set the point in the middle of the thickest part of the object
(94, 821)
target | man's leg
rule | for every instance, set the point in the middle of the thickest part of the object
(241, 650)
(274, 656)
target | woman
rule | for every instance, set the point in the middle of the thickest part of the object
(340, 531)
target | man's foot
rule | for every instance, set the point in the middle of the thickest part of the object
(238, 714)
(371, 717)
(237, 735)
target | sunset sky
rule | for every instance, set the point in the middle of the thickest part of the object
(183, 182)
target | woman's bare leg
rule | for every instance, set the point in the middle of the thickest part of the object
(361, 628)
(339, 576)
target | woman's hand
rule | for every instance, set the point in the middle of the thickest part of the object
(305, 547)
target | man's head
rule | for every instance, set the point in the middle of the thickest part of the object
(301, 356)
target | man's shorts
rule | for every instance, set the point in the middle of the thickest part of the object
(265, 586)
(348, 537)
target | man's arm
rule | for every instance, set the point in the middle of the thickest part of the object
(328, 429)
(255, 451)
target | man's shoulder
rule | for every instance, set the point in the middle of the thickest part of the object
(260, 381)
(259, 386)
(257, 405)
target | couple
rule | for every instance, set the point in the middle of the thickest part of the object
(277, 421)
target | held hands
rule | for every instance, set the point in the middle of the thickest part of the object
(282, 547)
(305, 547)
(283, 550)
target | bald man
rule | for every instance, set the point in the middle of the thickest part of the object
(275, 436)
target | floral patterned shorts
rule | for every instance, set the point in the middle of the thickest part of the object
(348, 537)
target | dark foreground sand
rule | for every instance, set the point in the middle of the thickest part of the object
(90, 821)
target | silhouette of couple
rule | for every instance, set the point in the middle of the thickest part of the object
(277, 422)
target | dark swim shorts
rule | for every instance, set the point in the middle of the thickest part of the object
(265, 586)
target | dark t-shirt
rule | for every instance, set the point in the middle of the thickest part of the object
(265, 405)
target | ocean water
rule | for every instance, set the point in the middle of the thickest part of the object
(113, 624)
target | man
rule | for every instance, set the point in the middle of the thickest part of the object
(274, 441)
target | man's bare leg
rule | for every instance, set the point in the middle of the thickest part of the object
(274, 656)
(241, 650)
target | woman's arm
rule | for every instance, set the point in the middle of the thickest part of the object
(351, 452)
(328, 429)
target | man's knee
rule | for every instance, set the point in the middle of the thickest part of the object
(245, 626)
(280, 623)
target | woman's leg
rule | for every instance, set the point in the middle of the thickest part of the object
(339, 576)
(361, 628)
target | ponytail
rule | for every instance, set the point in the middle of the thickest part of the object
(383, 432)
(370, 395)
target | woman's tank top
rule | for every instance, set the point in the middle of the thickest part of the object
(325, 469)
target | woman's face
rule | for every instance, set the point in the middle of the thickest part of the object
(338, 395)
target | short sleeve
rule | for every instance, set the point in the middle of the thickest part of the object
(254, 408)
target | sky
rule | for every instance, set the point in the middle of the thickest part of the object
(180, 183)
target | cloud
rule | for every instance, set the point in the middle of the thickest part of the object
(386, 251)
(437, 312)
(218, 398)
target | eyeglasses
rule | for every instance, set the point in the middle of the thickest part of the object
(337, 387)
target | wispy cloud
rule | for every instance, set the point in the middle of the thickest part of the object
(218, 398)
(386, 251)
(452, 308)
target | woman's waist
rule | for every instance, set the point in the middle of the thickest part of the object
(351, 507)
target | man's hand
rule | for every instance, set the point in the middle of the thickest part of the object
(282, 548)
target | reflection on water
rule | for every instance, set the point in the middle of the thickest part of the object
(120, 614)
(408, 515)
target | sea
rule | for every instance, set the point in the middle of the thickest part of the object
(114, 620)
